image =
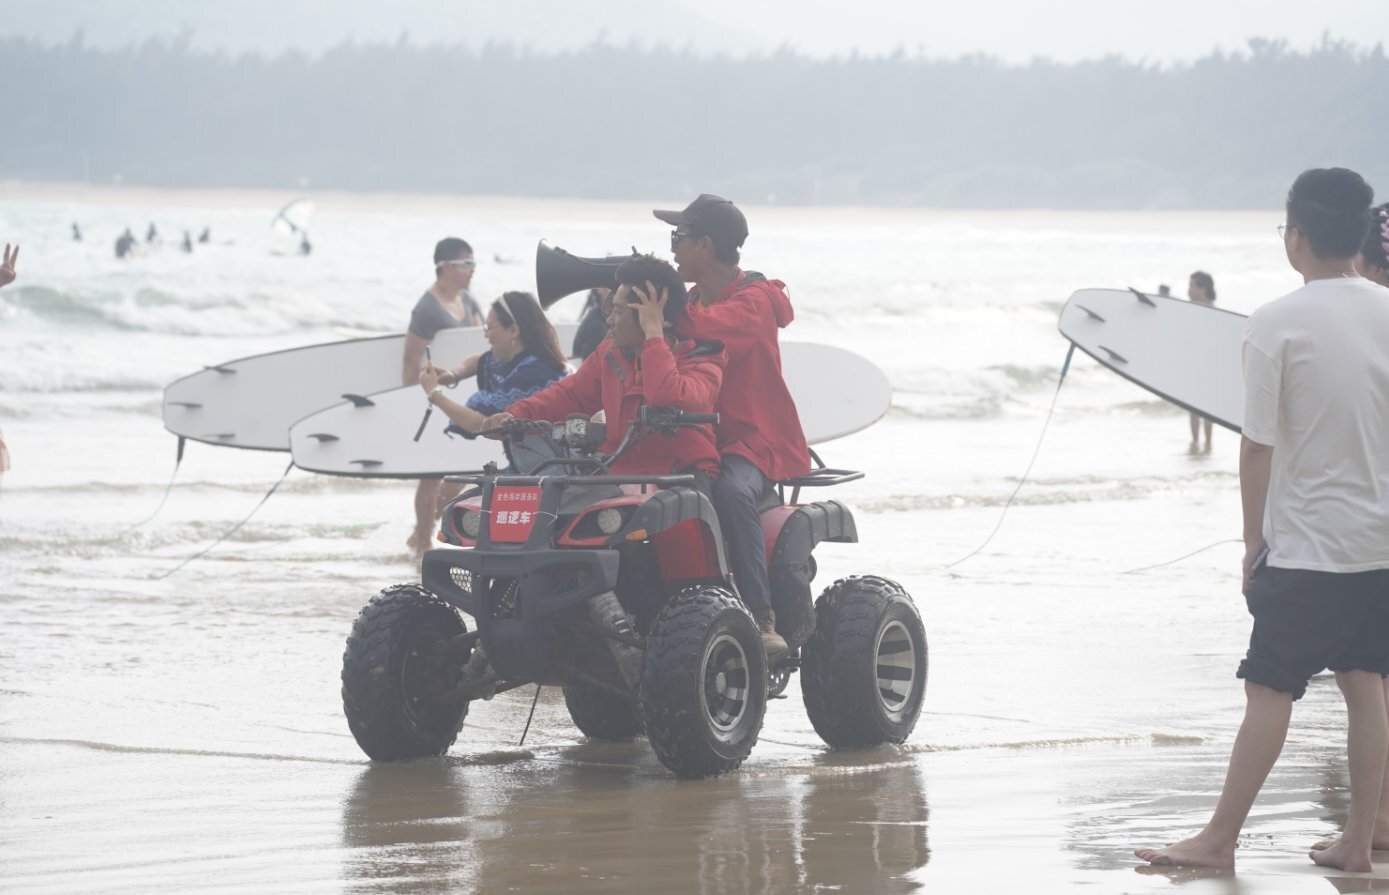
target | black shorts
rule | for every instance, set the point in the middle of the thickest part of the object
(1307, 621)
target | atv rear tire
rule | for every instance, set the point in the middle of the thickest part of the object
(600, 714)
(703, 688)
(863, 671)
(398, 678)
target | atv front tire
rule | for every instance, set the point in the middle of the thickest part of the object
(703, 688)
(863, 671)
(398, 675)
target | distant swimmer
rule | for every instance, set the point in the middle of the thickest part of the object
(187, 242)
(76, 232)
(1200, 289)
(125, 243)
(206, 235)
(1165, 291)
(305, 247)
(152, 233)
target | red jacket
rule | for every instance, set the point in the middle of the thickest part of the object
(608, 380)
(757, 416)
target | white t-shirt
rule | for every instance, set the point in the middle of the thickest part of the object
(1316, 388)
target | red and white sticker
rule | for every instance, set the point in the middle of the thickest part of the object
(513, 513)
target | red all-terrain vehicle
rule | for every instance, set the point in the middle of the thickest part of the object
(616, 588)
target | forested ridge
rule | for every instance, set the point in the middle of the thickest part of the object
(1226, 131)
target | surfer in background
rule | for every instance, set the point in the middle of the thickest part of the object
(1373, 262)
(7, 276)
(1314, 468)
(125, 243)
(206, 235)
(1200, 289)
(76, 232)
(444, 305)
(525, 357)
(151, 234)
(187, 244)
(593, 324)
(305, 247)
(759, 432)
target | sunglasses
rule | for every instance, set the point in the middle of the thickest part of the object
(676, 236)
(461, 262)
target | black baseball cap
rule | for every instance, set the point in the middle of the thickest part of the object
(711, 216)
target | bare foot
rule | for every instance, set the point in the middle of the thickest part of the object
(1188, 853)
(419, 542)
(1343, 857)
(1379, 843)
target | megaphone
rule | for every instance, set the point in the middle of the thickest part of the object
(558, 273)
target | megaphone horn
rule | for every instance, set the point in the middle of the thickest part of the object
(558, 273)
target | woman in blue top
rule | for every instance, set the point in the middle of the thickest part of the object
(524, 358)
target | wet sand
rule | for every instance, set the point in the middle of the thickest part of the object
(81, 817)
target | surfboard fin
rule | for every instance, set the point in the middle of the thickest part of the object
(1091, 314)
(1143, 298)
(321, 437)
(360, 400)
(191, 405)
(367, 464)
(220, 369)
(1114, 355)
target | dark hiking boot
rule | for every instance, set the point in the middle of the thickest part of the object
(772, 642)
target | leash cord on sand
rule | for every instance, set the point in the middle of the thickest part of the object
(1035, 451)
(163, 500)
(1180, 558)
(530, 716)
(233, 530)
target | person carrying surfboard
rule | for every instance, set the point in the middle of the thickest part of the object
(642, 363)
(759, 432)
(1200, 288)
(1314, 469)
(445, 304)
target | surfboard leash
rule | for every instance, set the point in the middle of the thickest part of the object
(178, 459)
(1065, 368)
(231, 531)
(1180, 558)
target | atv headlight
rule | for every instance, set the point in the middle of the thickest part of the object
(609, 520)
(471, 523)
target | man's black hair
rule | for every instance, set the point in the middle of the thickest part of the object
(450, 248)
(638, 270)
(1205, 281)
(1330, 207)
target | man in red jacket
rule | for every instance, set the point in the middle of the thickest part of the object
(642, 363)
(759, 432)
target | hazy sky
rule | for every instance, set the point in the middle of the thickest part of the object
(1015, 30)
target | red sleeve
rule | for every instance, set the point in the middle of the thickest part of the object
(691, 385)
(740, 322)
(581, 392)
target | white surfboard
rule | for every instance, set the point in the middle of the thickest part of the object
(1184, 352)
(837, 393)
(251, 402)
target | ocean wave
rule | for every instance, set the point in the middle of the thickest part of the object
(148, 309)
(1039, 493)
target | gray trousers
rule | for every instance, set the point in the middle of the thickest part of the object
(736, 495)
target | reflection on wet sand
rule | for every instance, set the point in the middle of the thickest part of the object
(606, 818)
